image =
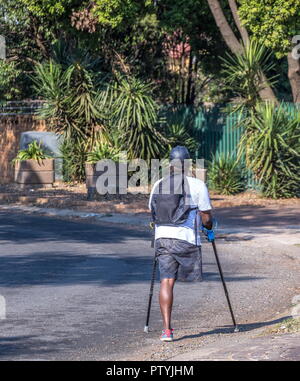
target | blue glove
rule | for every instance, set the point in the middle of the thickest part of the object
(210, 234)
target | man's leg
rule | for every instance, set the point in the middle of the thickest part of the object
(166, 300)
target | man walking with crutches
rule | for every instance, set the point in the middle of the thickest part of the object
(177, 204)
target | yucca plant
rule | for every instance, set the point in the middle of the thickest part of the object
(244, 72)
(73, 103)
(225, 175)
(177, 134)
(134, 114)
(271, 145)
(73, 107)
(34, 151)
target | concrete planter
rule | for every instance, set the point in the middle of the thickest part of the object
(34, 173)
(116, 184)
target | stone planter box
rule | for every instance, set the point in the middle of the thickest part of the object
(116, 184)
(34, 173)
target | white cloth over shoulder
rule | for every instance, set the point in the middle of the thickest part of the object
(186, 231)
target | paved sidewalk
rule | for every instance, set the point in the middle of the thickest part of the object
(268, 348)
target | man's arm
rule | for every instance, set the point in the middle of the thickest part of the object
(206, 218)
(204, 206)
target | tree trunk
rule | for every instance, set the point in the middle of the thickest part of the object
(237, 20)
(194, 75)
(294, 77)
(232, 42)
(225, 29)
(189, 80)
(37, 35)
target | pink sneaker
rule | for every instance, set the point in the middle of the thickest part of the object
(167, 335)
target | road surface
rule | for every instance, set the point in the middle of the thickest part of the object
(77, 290)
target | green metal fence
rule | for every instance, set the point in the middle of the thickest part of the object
(215, 130)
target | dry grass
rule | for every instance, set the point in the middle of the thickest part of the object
(250, 198)
(74, 195)
(290, 325)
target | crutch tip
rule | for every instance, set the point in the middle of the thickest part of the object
(146, 329)
(236, 329)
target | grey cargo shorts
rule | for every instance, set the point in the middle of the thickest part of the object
(179, 260)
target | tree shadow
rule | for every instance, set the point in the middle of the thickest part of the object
(19, 228)
(215, 276)
(28, 345)
(108, 269)
(258, 217)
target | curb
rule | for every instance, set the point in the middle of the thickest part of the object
(29, 200)
(119, 218)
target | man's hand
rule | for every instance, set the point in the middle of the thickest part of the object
(207, 219)
(210, 234)
(207, 225)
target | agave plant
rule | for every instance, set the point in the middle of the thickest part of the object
(271, 146)
(34, 151)
(225, 175)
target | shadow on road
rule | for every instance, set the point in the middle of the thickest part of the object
(69, 264)
(229, 329)
(23, 229)
(257, 216)
(29, 345)
(52, 268)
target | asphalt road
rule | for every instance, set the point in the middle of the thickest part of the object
(78, 291)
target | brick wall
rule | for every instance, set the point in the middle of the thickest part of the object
(11, 128)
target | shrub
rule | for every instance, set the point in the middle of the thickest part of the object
(9, 75)
(243, 73)
(73, 108)
(73, 98)
(177, 134)
(34, 151)
(74, 156)
(225, 176)
(134, 115)
(103, 151)
(271, 146)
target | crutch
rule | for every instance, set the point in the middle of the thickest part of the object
(146, 328)
(236, 328)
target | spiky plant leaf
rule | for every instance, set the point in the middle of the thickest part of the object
(225, 175)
